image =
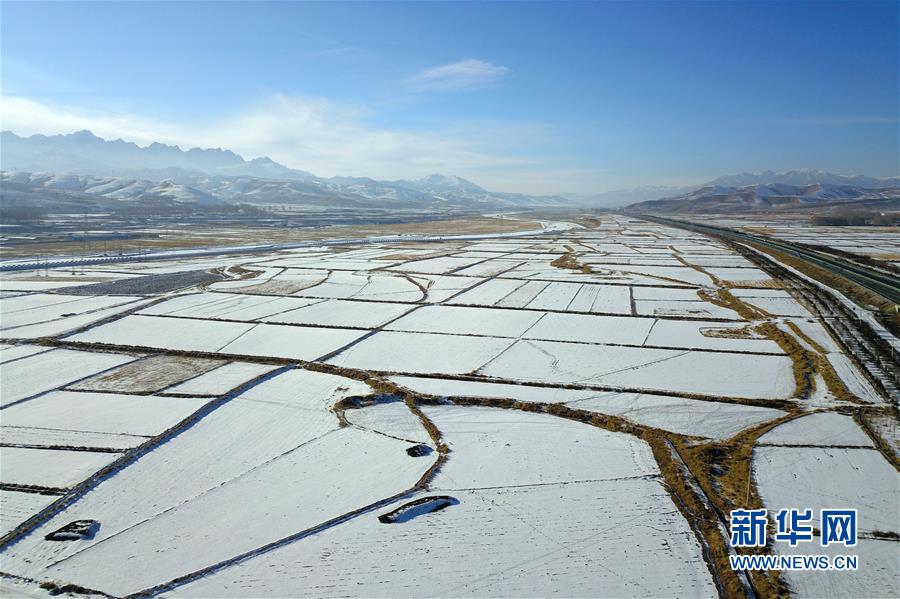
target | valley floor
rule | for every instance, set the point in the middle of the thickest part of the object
(573, 412)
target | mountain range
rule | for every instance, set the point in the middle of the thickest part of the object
(81, 165)
(732, 183)
(82, 171)
(775, 196)
(803, 178)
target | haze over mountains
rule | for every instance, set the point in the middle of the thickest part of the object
(82, 163)
(83, 171)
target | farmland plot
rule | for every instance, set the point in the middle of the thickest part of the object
(690, 417)
(221, 380)
(822, 429)
(292, 342)
(228, 306)
(689, 309)
(467, 321)
(393, 419)
(877, 576)
(371, 286)
(48, 467)
(779, 304)
(708, 335)
(16, 507)
(512, 436)
(172, 333)
(329, 476)
(440, 288)
(148, 375)
(443, 265)
(489, 268)
(284, 282)
(591, 329)
(533, 519)
(340, 313)
(280, 415)
(705, 419)
(736, 375)
(825, 477)
(105, 413)
(32, 375)
(38, 315)
(35, 436)
(421, 353)
(547, 295)
(8, 353)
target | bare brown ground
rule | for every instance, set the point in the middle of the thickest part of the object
(198, 236)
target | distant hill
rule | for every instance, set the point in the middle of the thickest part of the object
(88, 166)
(802, 178)
(86, 154)
(625, 197)
(725, 199)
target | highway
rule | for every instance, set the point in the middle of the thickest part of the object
(880, 282)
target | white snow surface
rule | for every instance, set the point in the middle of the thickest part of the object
(48, 370)
(822, 429)
(421, 353)
(537, 499)
(826, 477)
(737, 375)
(708, 419)
(49, 467)
(101, 412)
(221, 380)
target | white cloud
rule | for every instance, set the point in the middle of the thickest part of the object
(327, 139)
(466, 74)
(27, 117)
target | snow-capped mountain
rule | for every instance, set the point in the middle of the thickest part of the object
(94, 166)
(722, 198)
(109, 188)
(801, 178)
(797, 178)
(438, 183)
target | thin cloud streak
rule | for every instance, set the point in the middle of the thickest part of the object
(463, 75)
(325, 138)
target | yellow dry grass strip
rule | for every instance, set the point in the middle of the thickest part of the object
(724, 472)
(735, 456)
(806, 338)
(725, 299)
(590, 222)
(863, 417)
(802, 361)
(703, 518)
(821, 366)
(764, 284)
(569, 261)
(745, 332)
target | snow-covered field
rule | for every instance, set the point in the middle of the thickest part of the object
(506, 405)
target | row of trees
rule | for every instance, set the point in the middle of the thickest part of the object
(21, 214)
(857, 218)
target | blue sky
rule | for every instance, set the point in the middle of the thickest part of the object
(531, 97)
